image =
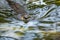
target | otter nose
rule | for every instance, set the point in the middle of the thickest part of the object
(25, 18)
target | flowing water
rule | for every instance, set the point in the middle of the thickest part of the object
(45, 19)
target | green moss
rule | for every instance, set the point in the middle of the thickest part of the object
(52, 36)
(57, 2)
(18, 33)
(58, 24)
(47, 22)
(30, 7)
(40, 27)
(31, 28)
(7, 13)
(2, 20)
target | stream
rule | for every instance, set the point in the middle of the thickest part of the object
(42, 21)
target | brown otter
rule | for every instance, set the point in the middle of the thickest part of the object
(21, 14)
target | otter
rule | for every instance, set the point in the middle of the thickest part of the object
(21, 14)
